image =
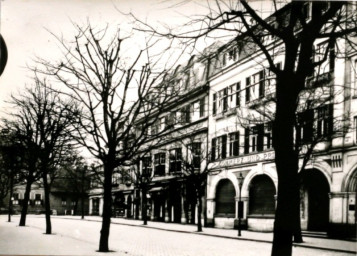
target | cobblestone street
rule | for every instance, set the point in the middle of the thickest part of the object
(80, 237)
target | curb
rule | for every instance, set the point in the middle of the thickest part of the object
(221, 236)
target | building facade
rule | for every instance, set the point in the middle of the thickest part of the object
(227, 112)
(242, 91)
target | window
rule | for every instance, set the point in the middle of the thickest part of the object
(38, 198)
(256, 86)
(223, 100)
(73, 203)
(324, 120)
(304, 131)
(232, 54)
(226, 98)
(214, 103)
(185, 115)
(155, 127)
(254, 139)
(195, 149)
(268, 136)
(170, 120)
(175, 160)
(16, 198)
(202, 107)
(231, 96)
(319, 52)
(221, 147)
(115, 179)
(238, 94)
(64, 201)
(159, 164)
(195, 111)
(234, 144)
(224, 59)
(147, 166)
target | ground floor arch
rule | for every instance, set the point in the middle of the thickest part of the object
(225, 198)
(315, 201)
(262, 196)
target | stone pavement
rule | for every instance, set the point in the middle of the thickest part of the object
(309, 242)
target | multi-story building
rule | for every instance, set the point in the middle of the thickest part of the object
(183, 142)
(227, 110)
(241, 94)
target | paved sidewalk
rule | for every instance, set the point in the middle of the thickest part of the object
(309, 242)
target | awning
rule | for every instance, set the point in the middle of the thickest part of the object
(3, 54)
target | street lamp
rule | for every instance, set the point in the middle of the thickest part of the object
(240, 203)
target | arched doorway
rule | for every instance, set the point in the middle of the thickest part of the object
(225, 199)
(317, 189)
(262, 196)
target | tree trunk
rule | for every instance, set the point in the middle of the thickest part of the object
(297, 231)
(47, 203)
(10, 198)
(107, 209)
(199, 211)
(144, 210)
(25, 203)
(286, 160)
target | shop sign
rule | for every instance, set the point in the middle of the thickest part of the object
(243, 160)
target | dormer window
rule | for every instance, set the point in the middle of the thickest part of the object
(232, 54)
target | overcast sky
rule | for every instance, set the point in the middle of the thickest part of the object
(24, 25)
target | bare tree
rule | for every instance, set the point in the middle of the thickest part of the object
(195, 168)
(11, 153)
(41, 121)
(75, 177)
(295, 29)
(116, 87)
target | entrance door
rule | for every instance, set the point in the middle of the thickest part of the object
(318, 200)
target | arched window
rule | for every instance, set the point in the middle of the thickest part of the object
(261, 196)
(225, 194)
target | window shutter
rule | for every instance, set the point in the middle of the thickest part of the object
(214, 103)
(260, 142)
(261, 84)
(246, 140)
(224, 146)
(213, 153)
(236, 144)
(247, 88)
